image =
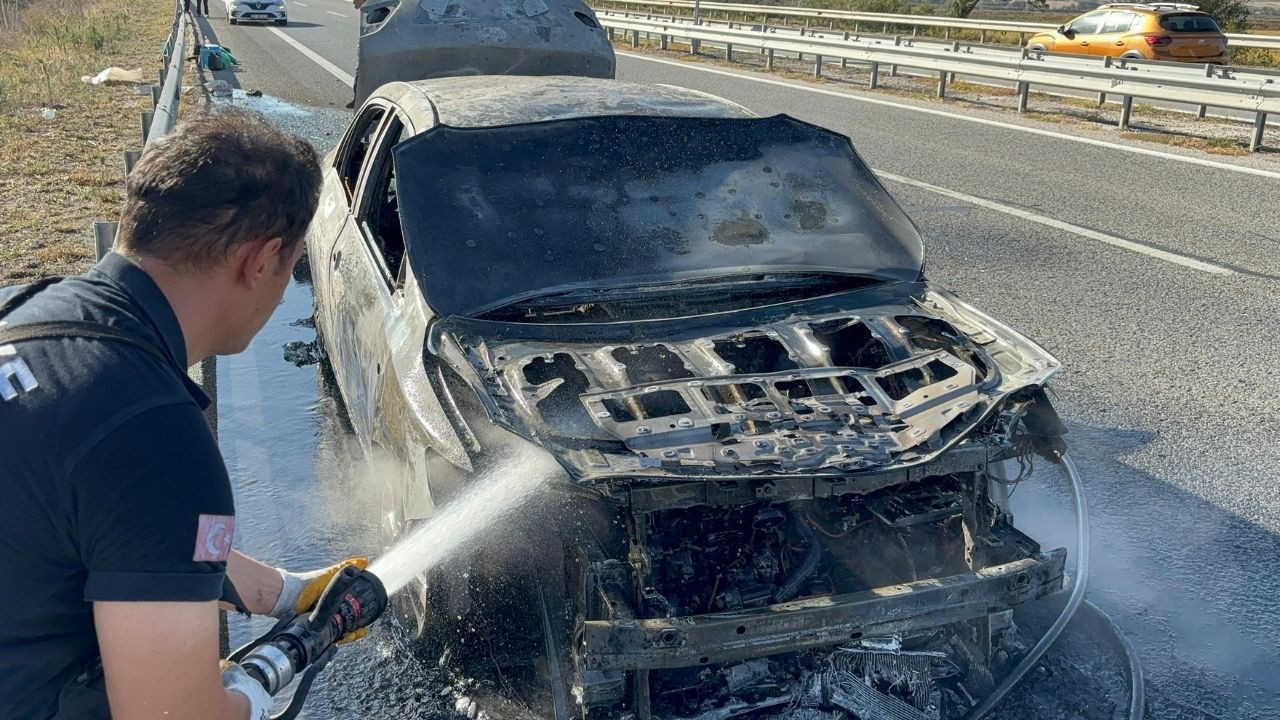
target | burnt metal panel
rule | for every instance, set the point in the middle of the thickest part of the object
(820, 621)
(405, 40)
(548, 207)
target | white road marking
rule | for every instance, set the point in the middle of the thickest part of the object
(958, 116)
(295, 2)
(334, 13)
(1169, 257)
(334, 70)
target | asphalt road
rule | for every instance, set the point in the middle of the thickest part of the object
(1151, 272)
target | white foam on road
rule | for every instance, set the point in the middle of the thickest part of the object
(1084, 232)
(755, 77)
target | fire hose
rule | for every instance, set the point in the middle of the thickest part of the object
(301, 646)
(1073, 601)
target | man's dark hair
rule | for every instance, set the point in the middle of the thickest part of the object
(221, 179)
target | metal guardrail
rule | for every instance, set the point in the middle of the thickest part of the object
(166, 107)
(1258, 93)
(889, 20)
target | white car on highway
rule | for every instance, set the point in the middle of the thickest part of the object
(258, 11)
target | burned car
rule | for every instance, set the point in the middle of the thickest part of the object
(783, 447)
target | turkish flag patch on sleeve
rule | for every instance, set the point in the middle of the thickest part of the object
(213, 538)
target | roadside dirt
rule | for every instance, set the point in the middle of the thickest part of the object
(59, 174)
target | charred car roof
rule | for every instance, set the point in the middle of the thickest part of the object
(490, 101)
(621, 201)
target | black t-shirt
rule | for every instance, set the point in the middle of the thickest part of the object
(111, 484)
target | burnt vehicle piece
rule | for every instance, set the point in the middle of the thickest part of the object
(785, 491)
(405, 40)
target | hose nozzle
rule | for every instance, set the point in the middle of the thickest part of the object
(305, 643)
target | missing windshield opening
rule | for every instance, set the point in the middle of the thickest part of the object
(650, 363)
(901, 384)
(755, 353)
(850, 343)
(662, 403)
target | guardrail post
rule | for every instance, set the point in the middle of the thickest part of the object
(1022, 38)
(1259, 124)
(817, 66)
(1126, 111)
(155, 96)
(694, 45)
(1102, 96)
(1024, 90)
(610, 34)
(942, 84)
(982, 37)
(1202, 110)
(130, 159)
(857, 27)
(844, 62)
(915, 31)
(768, 59)
(146, 125)
(875, 76)
(635, 38)
(955, 47)
(728, 52)
(662, 42)
(104, 238)
(893, 69)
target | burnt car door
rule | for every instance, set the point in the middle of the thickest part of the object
(364, 268)
(400, 416)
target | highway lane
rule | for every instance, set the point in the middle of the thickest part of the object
(1170, 387)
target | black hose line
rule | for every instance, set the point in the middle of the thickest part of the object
(1073, 602)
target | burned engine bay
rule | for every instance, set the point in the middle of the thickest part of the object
(803, 507)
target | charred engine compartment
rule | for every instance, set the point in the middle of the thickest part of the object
(892, 603)
(800, 512)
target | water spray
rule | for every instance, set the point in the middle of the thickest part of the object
(301, 646)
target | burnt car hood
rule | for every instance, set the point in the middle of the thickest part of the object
(881, 378)
(538, 208)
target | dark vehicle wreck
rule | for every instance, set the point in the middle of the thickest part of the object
(784, 448)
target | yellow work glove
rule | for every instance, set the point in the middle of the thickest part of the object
(300, 591)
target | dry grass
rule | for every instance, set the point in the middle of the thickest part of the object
(59, 175)
(1212, 145)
